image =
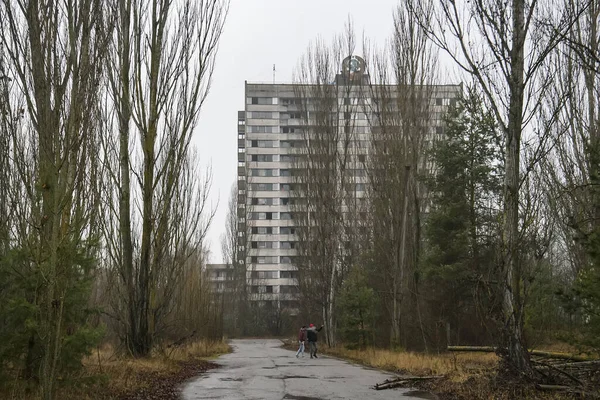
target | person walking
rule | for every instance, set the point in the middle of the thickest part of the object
(311, 335)
(301, 341)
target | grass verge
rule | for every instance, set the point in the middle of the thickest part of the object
(107, 375)
(468, 376)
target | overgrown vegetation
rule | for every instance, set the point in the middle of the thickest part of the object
(106, 373)
(103, 207)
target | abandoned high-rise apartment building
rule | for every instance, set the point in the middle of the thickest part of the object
(272, 135)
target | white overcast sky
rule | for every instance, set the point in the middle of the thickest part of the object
(258, 34)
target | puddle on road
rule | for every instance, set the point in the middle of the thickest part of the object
(293, 377)
(292, 397)
(231, 379)
(421, 394)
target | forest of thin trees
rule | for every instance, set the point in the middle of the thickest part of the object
(482, 228)
(104, 207)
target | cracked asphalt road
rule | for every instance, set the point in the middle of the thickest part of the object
(261, 369)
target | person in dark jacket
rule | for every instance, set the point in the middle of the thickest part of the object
(301, 340)
(311, 335)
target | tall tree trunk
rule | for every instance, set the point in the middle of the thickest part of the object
(124, 169)
(513, 302)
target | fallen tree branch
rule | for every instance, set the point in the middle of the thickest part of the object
(568, 389)
(401, 380)
(579, 364)
(554, 368)
(549, 354)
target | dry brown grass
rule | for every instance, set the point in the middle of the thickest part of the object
(457, 367)
(106, 374)
(468, 376)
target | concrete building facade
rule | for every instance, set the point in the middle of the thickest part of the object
(270, 133)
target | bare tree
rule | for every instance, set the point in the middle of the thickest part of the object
(160, 73)
(325, 186)
(505, 48)
(402, 93)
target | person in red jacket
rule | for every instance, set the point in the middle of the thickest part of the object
(301, 340)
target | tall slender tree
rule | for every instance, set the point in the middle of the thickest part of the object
(330, 103)
(52, 52)
(506, 49)
(401, 92)
(160, 71)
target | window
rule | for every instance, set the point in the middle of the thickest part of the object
(287, 230)
(287, 129)
(284, 201)
(261, 186)
(288, 245)
(261, 129)
(285, 260)
(261, 201)
(286, 187)
(288, 274)
(253, 289)
(263, 143)
(287, 158)
(262, 114)
(439, 130)
(262, 157)
(285, 172)
(263, 215)
(292, 115)
(262, 230)
(263, 259)
(263, 172)
(262, 100)
(288, 101)
(439, 101)
(361, 158)
(360, 187)
(263, 274)
(291, 143)
(268, 289)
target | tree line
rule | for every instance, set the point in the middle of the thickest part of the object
(103, 208)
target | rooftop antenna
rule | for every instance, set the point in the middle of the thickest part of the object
(274, 74)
